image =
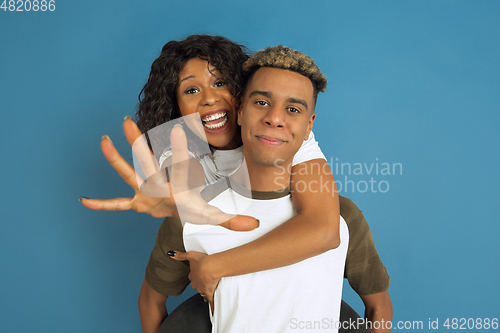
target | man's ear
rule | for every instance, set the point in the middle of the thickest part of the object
(240, 109)
(310, 125)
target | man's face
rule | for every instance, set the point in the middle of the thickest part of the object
(276, 115)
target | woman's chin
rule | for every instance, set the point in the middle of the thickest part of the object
(223, 141)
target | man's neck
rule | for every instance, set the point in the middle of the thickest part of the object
(263, 178)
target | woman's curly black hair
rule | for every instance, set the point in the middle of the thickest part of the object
(157, 100)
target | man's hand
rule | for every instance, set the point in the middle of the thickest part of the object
(199, 276)
(162, 204)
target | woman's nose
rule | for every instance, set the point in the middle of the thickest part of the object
(210, 97)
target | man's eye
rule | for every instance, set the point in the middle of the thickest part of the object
(293, 110)
(191, 91)
(262, 103)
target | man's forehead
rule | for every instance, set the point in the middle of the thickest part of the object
(265, 74)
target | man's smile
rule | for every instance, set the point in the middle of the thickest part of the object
(270, 140)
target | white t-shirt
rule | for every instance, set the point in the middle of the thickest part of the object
(223, 162)
(284, 299)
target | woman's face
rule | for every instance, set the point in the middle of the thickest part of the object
(202, 89)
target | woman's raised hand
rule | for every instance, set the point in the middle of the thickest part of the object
(193, 208)
(154, 206)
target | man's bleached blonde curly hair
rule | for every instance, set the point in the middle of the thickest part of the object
(286, 58)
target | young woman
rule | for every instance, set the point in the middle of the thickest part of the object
(202, 74)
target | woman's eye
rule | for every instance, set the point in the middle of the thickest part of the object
(191, 91)
(220, 83)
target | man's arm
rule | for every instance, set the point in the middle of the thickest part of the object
(314, 230)
(378, 308)
(152, 309)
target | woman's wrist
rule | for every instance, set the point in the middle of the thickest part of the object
(210, 267)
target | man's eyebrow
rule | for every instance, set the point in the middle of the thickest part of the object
(184, 79)
(260, 92)
(269, 94)
(298, 101)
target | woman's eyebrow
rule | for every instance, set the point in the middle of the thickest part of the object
(187, 77)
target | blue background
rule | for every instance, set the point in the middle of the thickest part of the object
(410, 82)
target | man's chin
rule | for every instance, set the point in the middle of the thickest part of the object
(267, 157)
(274, 161)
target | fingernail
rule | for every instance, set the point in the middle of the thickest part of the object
(127, 117)
(171, 253)
(178, 125)
(105, 137)
(258, 224)
(80, 198)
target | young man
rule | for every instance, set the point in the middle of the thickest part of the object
(364, 271)
(276, 115)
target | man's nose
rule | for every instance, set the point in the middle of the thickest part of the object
(275, 117)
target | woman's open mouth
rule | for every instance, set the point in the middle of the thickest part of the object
(215, 120)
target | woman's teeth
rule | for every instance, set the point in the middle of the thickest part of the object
(215, 121)
(214, 116)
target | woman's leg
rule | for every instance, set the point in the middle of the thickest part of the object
(189, 317)
(192, 316)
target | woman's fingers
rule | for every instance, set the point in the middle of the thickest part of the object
(108, 204)
(210, 299)
(179, 144)
(191, 206)
(180, 161)
(143, 154)
(157, 205)
(125, 170)
(156, 186)
(241, 223)
(132, 132)
(178, 255)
